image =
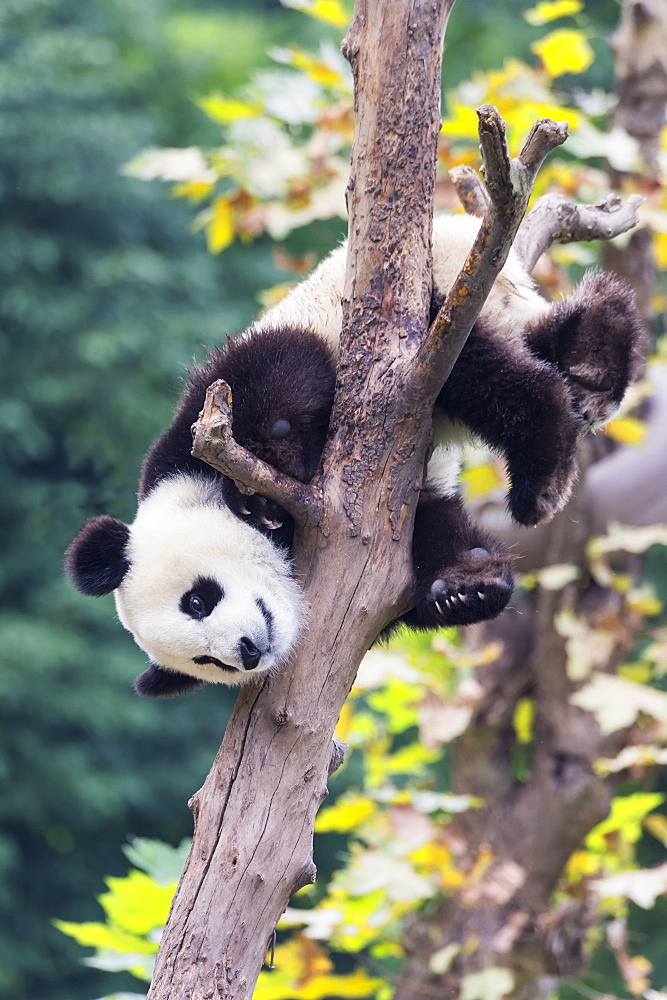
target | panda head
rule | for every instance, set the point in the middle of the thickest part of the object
(207, 597)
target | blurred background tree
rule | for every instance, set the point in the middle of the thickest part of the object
(106, 297)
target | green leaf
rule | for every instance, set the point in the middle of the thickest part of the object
(161, 861)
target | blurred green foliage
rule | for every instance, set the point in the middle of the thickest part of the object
(105, 296)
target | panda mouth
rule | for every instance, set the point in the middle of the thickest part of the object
(202, 660)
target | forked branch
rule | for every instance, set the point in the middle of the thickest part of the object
(509, 183)
(553, 219)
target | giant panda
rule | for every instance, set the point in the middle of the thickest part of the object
(202, 577)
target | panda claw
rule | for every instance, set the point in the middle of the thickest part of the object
(271, 525)
(440, 611)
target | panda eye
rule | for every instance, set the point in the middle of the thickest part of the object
(201, 599)
(197, 606)
(604, 385)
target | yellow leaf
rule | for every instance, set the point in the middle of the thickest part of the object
(524, 717)
(328, 11)
(656, 824)
(640, 673)
(643, 601)
(462, 122)
(580, 864)
(549, 10)
(345, 815)
(564, 51)
(627, 816)
(626, 430)
(225, 110)
(480, 480)
(136, 903)
(316, 69)
(431, 858)
(344, 722)
(194, 191)
(356, 984)
(660, 246)
(105, 938)
(220, 229)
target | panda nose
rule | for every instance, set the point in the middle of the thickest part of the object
(250, 655)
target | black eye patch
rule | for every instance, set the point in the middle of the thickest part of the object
(200, 600)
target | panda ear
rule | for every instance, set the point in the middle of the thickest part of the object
(96, 560)
(156, 682)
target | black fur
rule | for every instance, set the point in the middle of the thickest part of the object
(597, 329)
(462, 575)
(155, 682)
(95, 560)
(290, 378)
(520, 406)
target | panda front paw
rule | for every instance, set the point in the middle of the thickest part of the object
(260, 513)
(469, 603)
(475, 589)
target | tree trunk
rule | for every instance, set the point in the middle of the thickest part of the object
(254, 816)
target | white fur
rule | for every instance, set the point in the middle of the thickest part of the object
(181, 533)
(316, 303)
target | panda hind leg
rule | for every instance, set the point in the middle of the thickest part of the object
(462, 575)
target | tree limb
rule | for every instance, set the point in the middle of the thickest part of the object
(509, 184)
(214, 443)
(470, 188)
(554, 219)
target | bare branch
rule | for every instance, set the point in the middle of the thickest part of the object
(338, 751)
(509, 184)
(544, 136)
(554, 219)
(214, 443)
(470, 188)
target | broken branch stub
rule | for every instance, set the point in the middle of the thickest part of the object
(470, 188)
(214, 443)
